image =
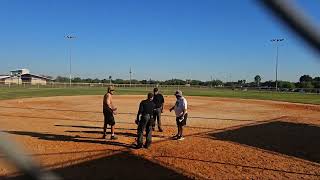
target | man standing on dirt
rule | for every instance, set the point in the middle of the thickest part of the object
(108, 111)
(180, 109)
(158, 101)
(146, 110)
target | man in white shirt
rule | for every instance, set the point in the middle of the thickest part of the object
(180, 109)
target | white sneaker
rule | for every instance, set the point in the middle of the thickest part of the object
(180, 138)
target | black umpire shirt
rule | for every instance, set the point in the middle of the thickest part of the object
(158, 100)
(146, 107)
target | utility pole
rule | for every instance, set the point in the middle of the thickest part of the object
(69, 37)
(276, 41)
(130, 72)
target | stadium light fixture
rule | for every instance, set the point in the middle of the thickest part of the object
(277, 41)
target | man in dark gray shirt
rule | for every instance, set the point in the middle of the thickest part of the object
(158, 101)
(146, 110)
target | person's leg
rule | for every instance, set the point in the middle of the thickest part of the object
(159, 119)
(104, 126)
(113, 124)
(141, 127)
(112, 130)
(148, 133)
(104, 130)
(153, 123)
(179, 130)
(177, 135)
(181, 124)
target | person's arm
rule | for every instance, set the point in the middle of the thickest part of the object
(185, 105)
(139, 112)
(162, 103)
(172, 108)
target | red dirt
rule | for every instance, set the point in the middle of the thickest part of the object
(225, 139)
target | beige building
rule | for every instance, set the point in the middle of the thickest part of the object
(5, 79)
(23, 76)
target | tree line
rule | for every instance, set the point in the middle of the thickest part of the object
(305, 81)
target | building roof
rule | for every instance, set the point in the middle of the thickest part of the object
(36, 76)
(4, 76)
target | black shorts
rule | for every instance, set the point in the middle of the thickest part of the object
(183, 122)
(108, 118)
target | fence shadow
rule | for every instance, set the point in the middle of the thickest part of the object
(123, 165)
(293, 139)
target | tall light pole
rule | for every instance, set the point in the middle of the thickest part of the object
(130, 76)
(69, 37)
(276, 41)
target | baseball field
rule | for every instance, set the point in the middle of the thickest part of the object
(229, 134)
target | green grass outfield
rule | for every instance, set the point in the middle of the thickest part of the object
(15, 93)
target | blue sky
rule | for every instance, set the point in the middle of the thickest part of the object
(159, 39)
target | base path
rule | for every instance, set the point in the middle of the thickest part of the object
(224, 139)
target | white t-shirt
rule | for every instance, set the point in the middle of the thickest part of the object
(181, 104)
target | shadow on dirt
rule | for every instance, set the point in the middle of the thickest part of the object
(55, 137)
(92, 127)
(123, 165)
(235, 165)
(293, 139)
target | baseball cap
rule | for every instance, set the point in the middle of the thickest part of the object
(155, 90)
(111, 88)
(150, 95)
(178, 93)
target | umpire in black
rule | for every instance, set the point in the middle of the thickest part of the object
(158, 101)
(144, 122)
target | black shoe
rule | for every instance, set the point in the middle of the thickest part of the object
(147, 145)
(139, 146)
(113, 137)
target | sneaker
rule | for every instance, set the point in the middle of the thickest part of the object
(175, 136)
(180, 138)
(113, 138)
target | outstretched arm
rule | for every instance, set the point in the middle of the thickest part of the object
(172, 108)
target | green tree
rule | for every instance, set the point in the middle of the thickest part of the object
(77, 80)
(286, 84)
(307, 85)
(305, 78)
(257, 80)
(62, 79)
(316, 82)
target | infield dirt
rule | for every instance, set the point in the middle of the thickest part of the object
(224, 139)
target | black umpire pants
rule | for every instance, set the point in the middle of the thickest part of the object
(145, 123)
(157, 117)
